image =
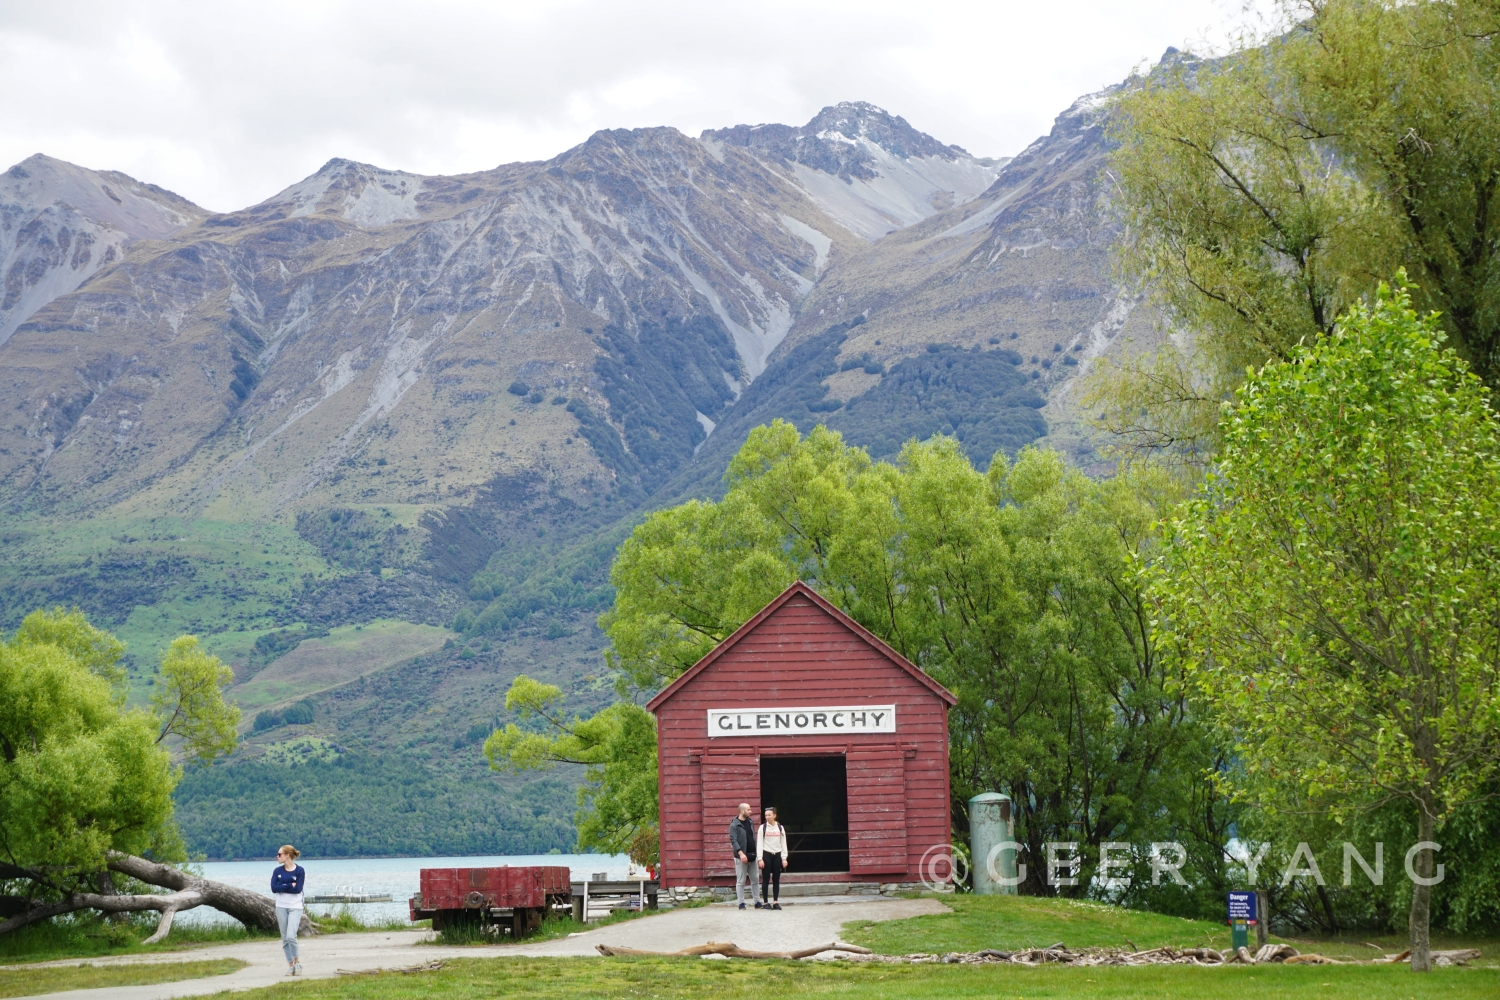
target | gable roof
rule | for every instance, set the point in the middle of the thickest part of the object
(800, 588)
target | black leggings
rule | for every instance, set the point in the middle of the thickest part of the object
(770, 879)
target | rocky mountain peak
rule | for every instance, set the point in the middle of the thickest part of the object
(143, 211)
(892, 175)
(861, 121)
(847, 139)
(362, 193)
(60, 223)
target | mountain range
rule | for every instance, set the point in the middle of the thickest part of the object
(375, 438)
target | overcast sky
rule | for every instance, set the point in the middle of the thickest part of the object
(227, 103)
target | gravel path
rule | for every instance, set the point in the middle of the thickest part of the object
(800, 925)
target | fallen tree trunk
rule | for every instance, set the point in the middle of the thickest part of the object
(166, 905)
(250, 908)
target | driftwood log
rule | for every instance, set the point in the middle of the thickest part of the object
(731, 950)
(1458, 956)
(250, 908)
(1054, 954)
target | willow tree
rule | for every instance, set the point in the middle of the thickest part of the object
(1017, 588)
(1267, 191)
(1335, 583)
(86, 783)
(617, 802)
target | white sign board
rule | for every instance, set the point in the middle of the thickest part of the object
(836, 720)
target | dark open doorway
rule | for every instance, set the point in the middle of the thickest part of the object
(811, 796)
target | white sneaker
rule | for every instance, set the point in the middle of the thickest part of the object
(297, 967)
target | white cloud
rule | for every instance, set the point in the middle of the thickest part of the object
(227, 103)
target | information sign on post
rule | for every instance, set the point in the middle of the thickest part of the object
(1242, 917)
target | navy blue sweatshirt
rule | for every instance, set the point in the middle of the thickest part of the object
(288, 881)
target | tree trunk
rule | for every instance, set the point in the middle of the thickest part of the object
(1333, 920)
(1419, 924)
(107, 888)
(110, 904)
(250, 908)
(1262, 918)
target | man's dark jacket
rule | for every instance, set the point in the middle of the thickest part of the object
(742, 837)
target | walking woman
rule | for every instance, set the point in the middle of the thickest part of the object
(287, 882)
(771, 854)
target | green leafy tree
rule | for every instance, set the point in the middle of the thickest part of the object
(85, 783)
(189, 700)
(617, 804)
(1334, 584)
(92, 648)
(1019, 589)
(79, 775)
(1267, 191)
(690, 575)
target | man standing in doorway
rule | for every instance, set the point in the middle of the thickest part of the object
(742, 842)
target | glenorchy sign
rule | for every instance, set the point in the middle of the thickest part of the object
(809, 721)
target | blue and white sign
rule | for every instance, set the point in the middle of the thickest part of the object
(1242, 906)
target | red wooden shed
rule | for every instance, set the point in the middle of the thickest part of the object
(804, 709)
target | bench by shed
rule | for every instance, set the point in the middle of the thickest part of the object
(804, 709)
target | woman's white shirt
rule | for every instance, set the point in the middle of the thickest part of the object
(770, 837)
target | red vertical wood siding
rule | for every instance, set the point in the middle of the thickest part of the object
(801, 654)
(877, 808)
(728, 780)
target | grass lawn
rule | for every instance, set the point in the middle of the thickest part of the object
(665, 979)
(976, 922)
(86, 935)
(56, 978)
(1014, 922)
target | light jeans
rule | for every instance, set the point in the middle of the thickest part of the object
(289, 921)
(744, 879)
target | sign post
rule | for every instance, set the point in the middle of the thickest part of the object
(1242, 916)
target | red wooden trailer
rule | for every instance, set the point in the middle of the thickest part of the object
(804, 709)
(514, 898)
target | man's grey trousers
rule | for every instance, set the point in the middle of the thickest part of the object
(744, 879)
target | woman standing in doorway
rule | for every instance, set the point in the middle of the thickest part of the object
(287, 882)
(771, 855)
